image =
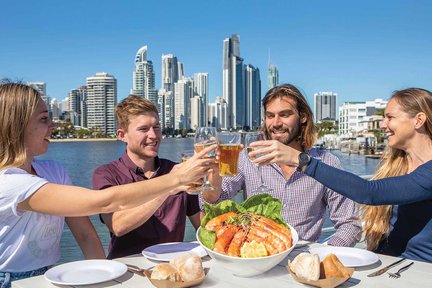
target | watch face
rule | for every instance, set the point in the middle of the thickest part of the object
(304, 158)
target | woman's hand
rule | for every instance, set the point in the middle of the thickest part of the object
(196, 167)
(273, 151)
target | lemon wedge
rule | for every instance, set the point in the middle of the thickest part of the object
(253, 249)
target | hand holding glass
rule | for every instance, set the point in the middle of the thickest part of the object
(204, 137)
(250, 138)
(194, 188)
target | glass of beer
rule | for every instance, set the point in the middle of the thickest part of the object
(194, 188)
(229, 148)
(204, 137)
(252, 137)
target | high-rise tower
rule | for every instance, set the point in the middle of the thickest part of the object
(233, 81)
(272, 77)
(325, 106)
(252, 112)
(144, 77)
(101, 102)
(201, 89)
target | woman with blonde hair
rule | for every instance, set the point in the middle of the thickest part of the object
(403, 182)
(36, 195)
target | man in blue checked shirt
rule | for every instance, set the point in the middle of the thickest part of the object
(289, 121)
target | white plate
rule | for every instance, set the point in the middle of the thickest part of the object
(350, 257)
(85, 272)
(167, 251)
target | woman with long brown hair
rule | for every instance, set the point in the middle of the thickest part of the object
(36, 195)
(403, 182)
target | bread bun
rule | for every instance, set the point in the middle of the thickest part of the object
(331, 267)
(165, 271)
(189, 266)
(306, 266)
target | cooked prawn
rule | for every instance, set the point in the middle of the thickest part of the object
(223, 238)
(236, 243)
(219, 221)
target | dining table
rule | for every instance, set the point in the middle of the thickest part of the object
(418, 275)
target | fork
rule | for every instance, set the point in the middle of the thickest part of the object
(397, 274)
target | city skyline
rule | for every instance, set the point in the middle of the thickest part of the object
(361, 51)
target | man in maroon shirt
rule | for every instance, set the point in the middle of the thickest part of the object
(161, 220)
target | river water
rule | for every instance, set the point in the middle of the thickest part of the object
(81, 158)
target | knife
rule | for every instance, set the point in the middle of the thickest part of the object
(382, 270)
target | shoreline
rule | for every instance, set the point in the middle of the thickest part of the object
(82, 140)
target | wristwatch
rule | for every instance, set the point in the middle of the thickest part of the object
(304, 160)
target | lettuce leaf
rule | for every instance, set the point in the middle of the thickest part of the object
(219, 209)
(207, 238)
(261, 204)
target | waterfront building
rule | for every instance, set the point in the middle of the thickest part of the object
(180, 70)
(201, 89)
(252, 91)
(101, 102)
(78, 106)
(55, 109)
(325, 106)
(183, 93)
(217, 113)
(144, 77)
(41, 87)
(353, 116)
(169, 71)
(232, 77)
(272, 76)
(166, 108)
(196, 112)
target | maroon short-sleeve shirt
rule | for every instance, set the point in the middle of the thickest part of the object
(167, 224)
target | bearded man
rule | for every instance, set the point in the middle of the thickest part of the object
(289, 121)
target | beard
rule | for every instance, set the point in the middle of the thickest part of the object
(286, 138)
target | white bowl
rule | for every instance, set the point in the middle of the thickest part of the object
(247, 267)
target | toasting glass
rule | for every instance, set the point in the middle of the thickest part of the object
(249, 138)
(204, 137)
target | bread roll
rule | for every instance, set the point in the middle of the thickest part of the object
(165, 271)
(331, 267)
(177, 261)
(306, 266)
(189, 266)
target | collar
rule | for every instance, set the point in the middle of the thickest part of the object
(138, 171)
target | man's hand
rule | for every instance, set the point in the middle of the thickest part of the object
(273, 151)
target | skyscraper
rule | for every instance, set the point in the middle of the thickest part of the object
(101, 101)
(233, 81)
(252, 112)
(78, 106)
(217, 113)
(41, 87)
(143, 77)
(325, 106)
(201, 89)
(272, 77)
(183, 94)
(169, 71)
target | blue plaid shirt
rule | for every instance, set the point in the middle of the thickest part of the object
(305, 200)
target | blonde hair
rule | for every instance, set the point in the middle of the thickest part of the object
(308, 131)
(17, 104)
(132, 106)
(376, 219)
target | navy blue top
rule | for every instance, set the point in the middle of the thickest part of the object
(412, 232)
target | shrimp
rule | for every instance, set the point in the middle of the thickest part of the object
(218, 221)
(223, 238)
(269, 237)
(279, 231)
(271, 250)
(236, 243)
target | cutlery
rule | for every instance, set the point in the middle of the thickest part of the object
(397, 274)
(382, 270)
(136, 269)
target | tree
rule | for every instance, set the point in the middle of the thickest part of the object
(326, 127)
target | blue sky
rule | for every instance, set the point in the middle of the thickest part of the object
(361, 50)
